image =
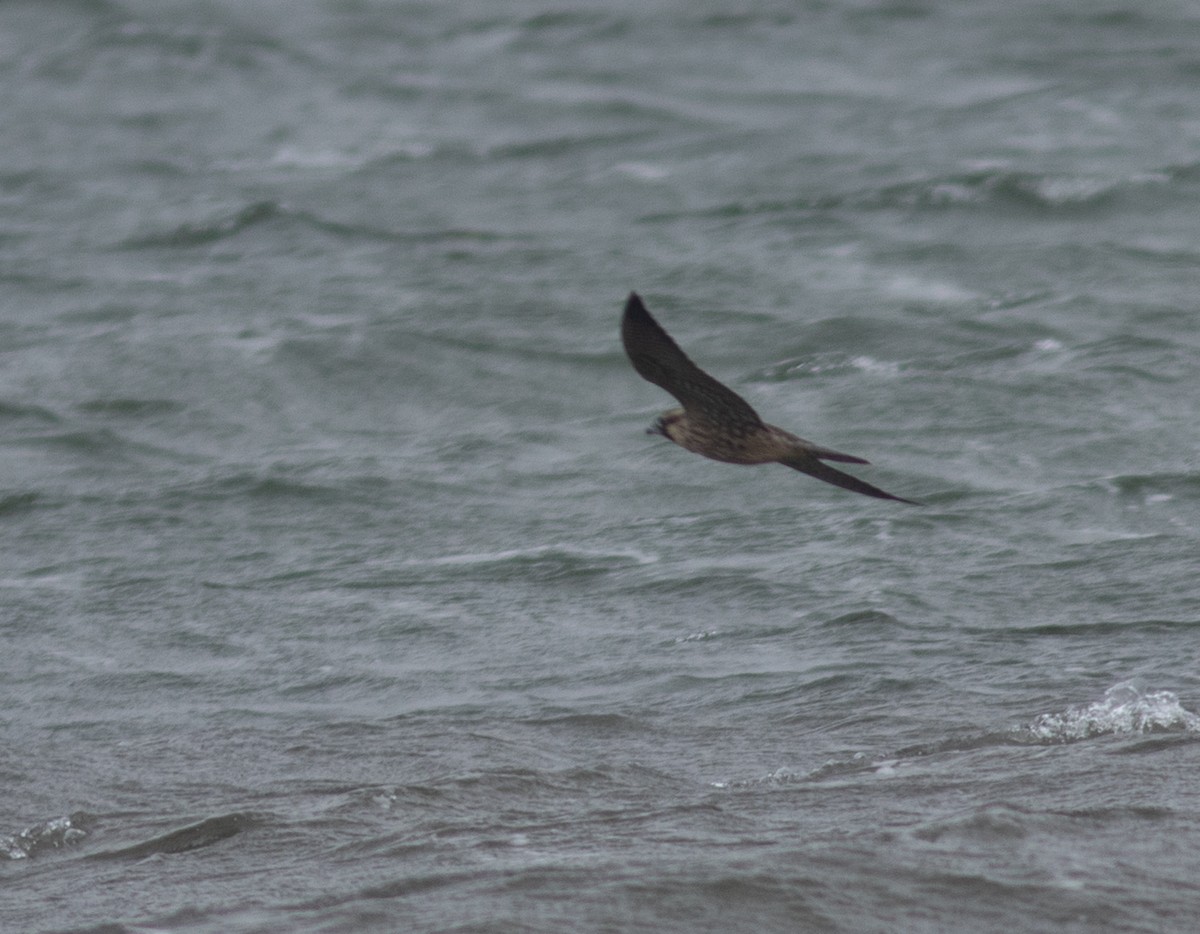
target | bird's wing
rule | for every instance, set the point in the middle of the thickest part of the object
(657, 358)
(807, 463)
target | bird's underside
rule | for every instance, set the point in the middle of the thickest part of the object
(715, 421)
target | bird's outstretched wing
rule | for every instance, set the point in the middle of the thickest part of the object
(657, 358)
(808, 463)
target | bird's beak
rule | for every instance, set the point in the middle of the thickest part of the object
(654, 430)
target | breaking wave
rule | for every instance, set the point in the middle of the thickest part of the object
(1123, 710)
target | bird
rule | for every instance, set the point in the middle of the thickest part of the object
(715, 421)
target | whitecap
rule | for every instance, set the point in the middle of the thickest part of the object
(642, 171)
(906, 286)
(52, 834)
(877, 367)
(702, 636)
(1123, 710)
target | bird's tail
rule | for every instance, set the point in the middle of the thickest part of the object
(826, 454)
(814, 468)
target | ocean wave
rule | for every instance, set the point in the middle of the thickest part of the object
(200, 233)
(999, 822)
(1026, 191)
(1022, 191)
(855, 764)
(16, 412)
(746, 585)
(110, 43)
(192, 837)
(546, 562)
(550, 147)
(258, 486)
(590, 724)
(53, 834)
(988, 823)
(827, 364)
(257, 214)
(1107, 628)
(1016, 189)
(1124, 710)
(98, 444)
(130, 407)
(15, 503)
(231, 224)
(1154, 486)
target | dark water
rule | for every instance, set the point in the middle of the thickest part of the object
(342, 591)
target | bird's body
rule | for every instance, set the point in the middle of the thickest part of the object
(715, 421)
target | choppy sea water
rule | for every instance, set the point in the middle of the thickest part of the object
(342, 590)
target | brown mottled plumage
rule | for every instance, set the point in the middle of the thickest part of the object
(715, 421)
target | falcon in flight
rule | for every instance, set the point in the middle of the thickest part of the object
(715, 421)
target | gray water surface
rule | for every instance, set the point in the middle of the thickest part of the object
(342, 591)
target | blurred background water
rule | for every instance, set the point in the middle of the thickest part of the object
(342, 591)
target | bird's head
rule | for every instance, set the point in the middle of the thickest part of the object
(667, 424)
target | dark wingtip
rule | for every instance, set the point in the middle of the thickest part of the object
(901, 499)
(635, 318)
(882, 494)
(898, 499)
